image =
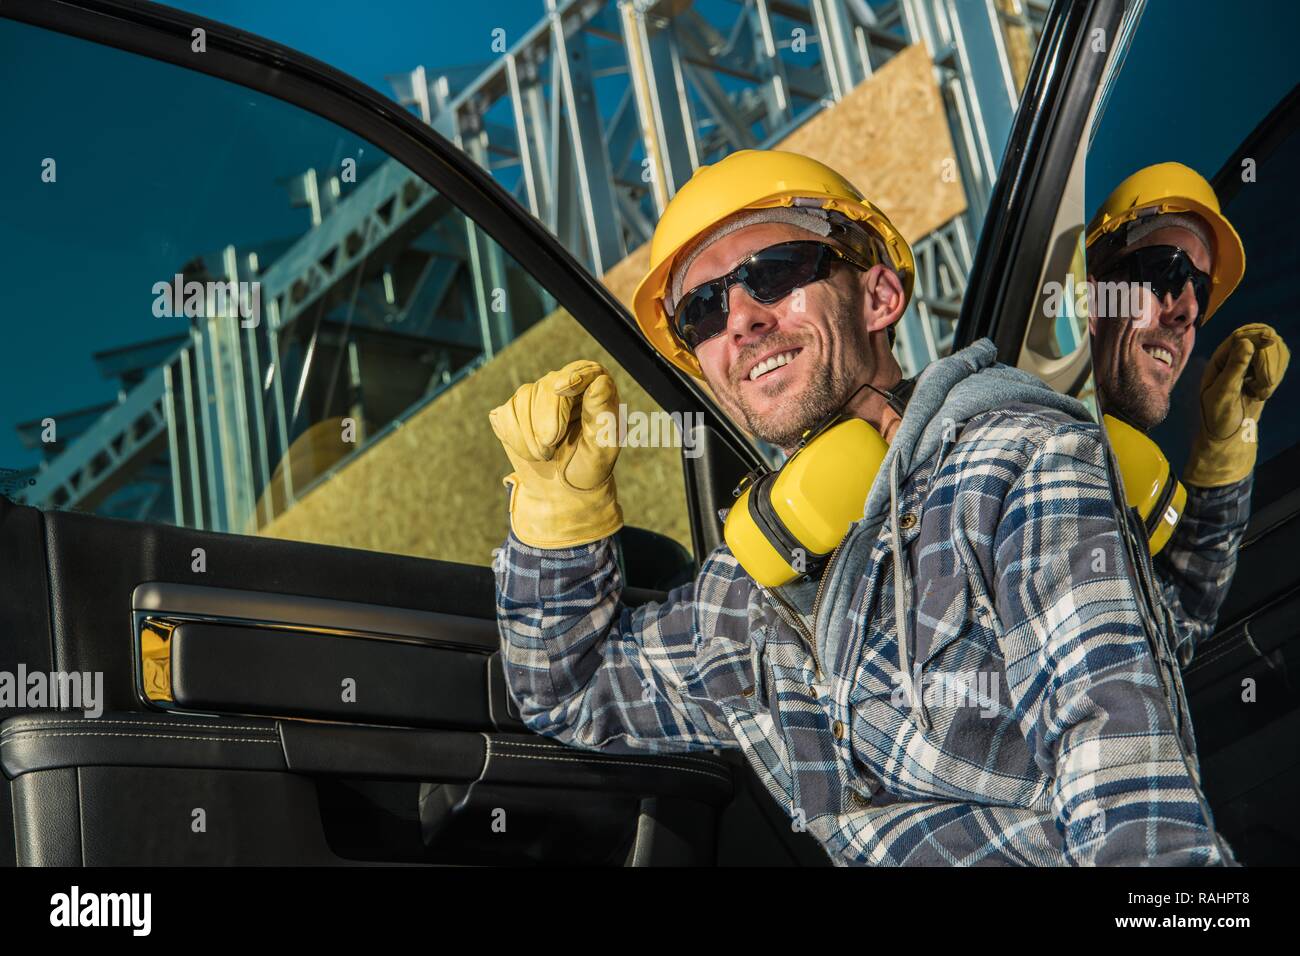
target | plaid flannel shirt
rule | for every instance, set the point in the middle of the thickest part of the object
(1048, 736)
(1195, 568)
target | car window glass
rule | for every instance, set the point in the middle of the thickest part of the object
(1221, 101)
(227, 313)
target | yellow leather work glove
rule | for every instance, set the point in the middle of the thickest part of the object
(562, 488)
(1243, 372)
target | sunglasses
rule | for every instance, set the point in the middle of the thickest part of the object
(1167, 269)
(769, 275)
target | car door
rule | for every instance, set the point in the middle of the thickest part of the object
(296, 633)
(1091, 117)
(1244, 702)
(259, 577)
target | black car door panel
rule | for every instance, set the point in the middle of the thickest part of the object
(427, 658)
(159, 779)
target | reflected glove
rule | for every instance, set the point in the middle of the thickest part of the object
(562, 488)
(1243, 372)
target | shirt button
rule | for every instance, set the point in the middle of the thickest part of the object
(747, 692)
(907, 522)
(837, 729)
(858, 800)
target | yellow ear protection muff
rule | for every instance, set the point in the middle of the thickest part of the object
(1150, 484)
(785, 523)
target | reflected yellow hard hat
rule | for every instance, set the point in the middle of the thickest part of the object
(1173, 187)
(748, 179)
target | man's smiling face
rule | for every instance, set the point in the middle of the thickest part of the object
(1138, 360)
(779, 369)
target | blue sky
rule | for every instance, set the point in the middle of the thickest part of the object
(378, 37)
(1191, 93)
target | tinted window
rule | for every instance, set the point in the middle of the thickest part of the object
(227, 313)
(1215, 98)
(1263, 213)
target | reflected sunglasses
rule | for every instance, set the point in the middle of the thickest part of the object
(768, 275)
(1167, 269)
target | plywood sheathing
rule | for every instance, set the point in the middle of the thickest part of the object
(889, 137)
(1020, 43)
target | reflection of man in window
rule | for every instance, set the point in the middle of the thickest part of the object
(1162, 228)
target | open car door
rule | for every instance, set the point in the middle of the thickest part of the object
(243, 689)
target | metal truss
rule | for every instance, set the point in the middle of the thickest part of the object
(83, 475)
(599, 113)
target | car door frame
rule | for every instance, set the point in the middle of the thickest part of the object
(1050, 125)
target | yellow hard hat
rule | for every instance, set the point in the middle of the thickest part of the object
(748, 179)
(1173, 187)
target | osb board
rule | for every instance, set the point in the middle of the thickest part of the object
(432, 488)
(1020, 45)
(889, 137)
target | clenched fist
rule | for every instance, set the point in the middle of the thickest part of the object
(563, 484)
(1243, 372)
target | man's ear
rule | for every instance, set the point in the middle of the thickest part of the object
(883, 299)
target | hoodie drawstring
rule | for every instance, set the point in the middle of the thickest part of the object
(919, 715)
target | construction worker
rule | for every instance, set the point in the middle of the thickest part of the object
(1161, 230)
(964, 677)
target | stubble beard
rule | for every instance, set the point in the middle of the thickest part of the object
(825, 393)
(1131, 399)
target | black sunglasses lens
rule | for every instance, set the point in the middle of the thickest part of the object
(769, 275)
(1168, 269)
(1201, 286)
(702, 314)
(773, 273)
(1176, 270)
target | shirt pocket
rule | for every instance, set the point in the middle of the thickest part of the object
(956, 639)
(944, 614)
(724, 673)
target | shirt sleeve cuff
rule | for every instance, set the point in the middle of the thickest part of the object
(575, 551)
